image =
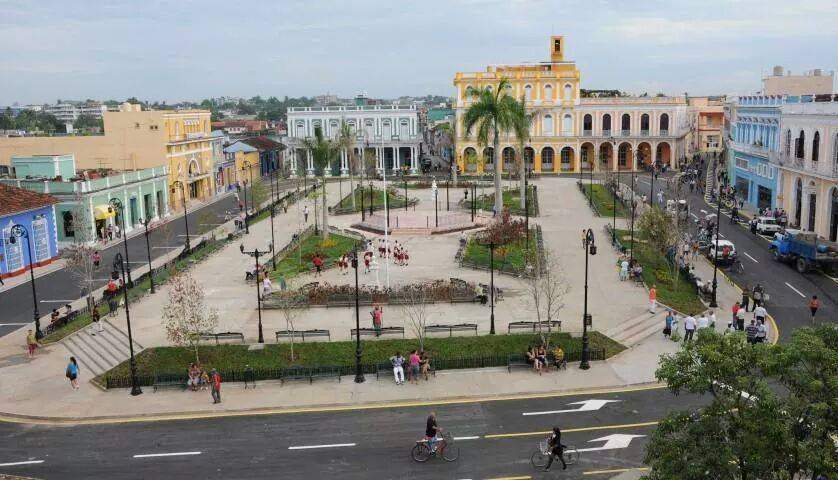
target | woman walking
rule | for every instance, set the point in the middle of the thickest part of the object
(72, 373)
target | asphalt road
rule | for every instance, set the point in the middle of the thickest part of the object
(789, 290)
(56, 288)
(495, 438)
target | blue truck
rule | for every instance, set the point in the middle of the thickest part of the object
(804, 250)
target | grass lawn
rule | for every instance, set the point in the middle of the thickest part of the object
(656, 271)
(236, 357)
(604, 201)
(511, 200)
(394, 200)
(334, 247)
(510, 257)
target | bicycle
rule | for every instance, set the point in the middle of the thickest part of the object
(542, 454)
(445, 448)
(737, 267)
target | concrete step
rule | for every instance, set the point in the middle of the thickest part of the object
(641, 335)
(98, 352)
(636, 329)
(617, 330)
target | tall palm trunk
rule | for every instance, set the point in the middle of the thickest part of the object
(324, 234)
(498, 170)
(522, 173)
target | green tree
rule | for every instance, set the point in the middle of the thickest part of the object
(771, 414)
(323, 152)
(346, 140)
(86, 121)
(492, 113)
(658, 228)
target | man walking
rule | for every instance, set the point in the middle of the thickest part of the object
(215, 379)
(305, 214)
(814, 305)
(689, 328)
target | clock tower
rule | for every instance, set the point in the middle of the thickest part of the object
(557, 48)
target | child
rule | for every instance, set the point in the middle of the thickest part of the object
(204, 380)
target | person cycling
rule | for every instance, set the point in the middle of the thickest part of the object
(431, 431)
(554, 444)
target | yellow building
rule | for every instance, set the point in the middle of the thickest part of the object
(246, 158)
(569, 133)
(135, 139)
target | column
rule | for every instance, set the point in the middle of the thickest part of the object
(614, 165)
(413, 163)
(379, 159)
(344, 163)
(309, 164)
(654, 154)
(804, 209)
(536, 162)
(396, 163)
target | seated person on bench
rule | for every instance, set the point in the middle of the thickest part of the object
(558, 355)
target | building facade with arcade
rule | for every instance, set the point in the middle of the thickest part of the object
(568, 133)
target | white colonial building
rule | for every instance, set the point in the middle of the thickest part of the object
(390, 132)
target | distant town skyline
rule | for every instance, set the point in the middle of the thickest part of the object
(187, 51)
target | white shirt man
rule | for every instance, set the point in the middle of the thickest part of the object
(702, 321)
(689, 327)
(760, 313)
(712, 318)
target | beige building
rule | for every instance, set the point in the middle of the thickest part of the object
(815, 82)
(706, 124)
(569, 133)
(136, 139)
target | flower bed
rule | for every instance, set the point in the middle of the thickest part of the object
(511, 201)
(512, 253)
(296, 257)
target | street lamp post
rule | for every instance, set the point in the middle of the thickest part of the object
(135, 384)
(527, 210)
(590, 248)
(274, 194)
(591, 185)
(652, 193)
(359, 374)
(116, 203)
(246, 167)
(371, 201)
(179, 184)
(17, 232)
(256, 253)
(614, 210)
(492, 288)
(447, 193)
(633, 210)
(436, 205)
(713, 301)
(145, 223)
(363, 212)
(404, 177)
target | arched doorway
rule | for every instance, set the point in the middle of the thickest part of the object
(663, 124)
(588, 157)
(567, 159)
(625, 157)
(489, 159)
(833, 215)
(470, 159)
(606, 156)
(529, 158)
(625, 124)
(644, 151)
(664, 153)
(508, 159)
(547, 155)
(813, 208)
(606, 125)
(798, 203)
(644, 124)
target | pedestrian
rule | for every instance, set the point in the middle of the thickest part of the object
(97, 259)
(712, 319)
(760, 313)
(702, 322)
(267, 286)
(584, 238)
(72, 373)
(751, 332)
(31, 343)
(746, 299)
(762, 332)
(377, 319)
(740, 319)
(110, 232)
(624, 269)
(413, 361)
(318, 264)
(97, 325)
(653, 299)
(215, 378)
(667, 329)
(733, 312)
(397, 361)
(814, 305)
(689, 327)
(305, 214)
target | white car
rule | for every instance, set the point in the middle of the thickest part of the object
(768, 225)
(724, 246)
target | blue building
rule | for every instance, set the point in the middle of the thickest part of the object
(755, 140)
(36, 213)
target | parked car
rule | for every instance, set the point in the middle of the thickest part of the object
(727, 251)
(768, 225)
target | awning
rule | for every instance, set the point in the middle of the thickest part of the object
(102, 212)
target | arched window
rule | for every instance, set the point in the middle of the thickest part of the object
(488, 156)
(69, 228)
(787, 145)
(568, 92)
(508, 154)
(644, 123)
(301, 130)
(587, 123)
(547, 127)
(567, 124)
(470, 159)
(664, 124)
(799, 147)
(528, 92)
(547, 159)
(625, 123)
(606, 124)
(548, 93)
(816, 142)
(387, 129)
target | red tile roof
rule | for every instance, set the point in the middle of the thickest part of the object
(14, 200)
(263, 143)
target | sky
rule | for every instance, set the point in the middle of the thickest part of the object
(189, 50)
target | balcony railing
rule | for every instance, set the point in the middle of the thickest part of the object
(664, 133)
(606, 133)
(753, 149)
(644, 133)
(587, 133)
(626, 133)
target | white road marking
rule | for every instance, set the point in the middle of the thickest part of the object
(796, 290)
(12, 324)
(169, 248)
(720, 234)
(612, 442)
(29, 462)
(57, 301)
(333, 445)
(584, 406)
(694, 215)
(475, 437)
(703, 211)
(752, 258)
(173, 454)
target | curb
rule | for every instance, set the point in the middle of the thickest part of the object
(341, 407)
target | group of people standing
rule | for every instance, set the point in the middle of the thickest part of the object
(397, 251)
(418, 363)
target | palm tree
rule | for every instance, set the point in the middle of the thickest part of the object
(323, 151)
(522, 160)
(493, 113)
(346, 140)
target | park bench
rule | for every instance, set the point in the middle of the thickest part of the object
(168, 380)
(460, 327)
(370, 332)
(533, 326)
(302, 334)
(309, 373)
(386, 369)
(222, 336)
(516, 361)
